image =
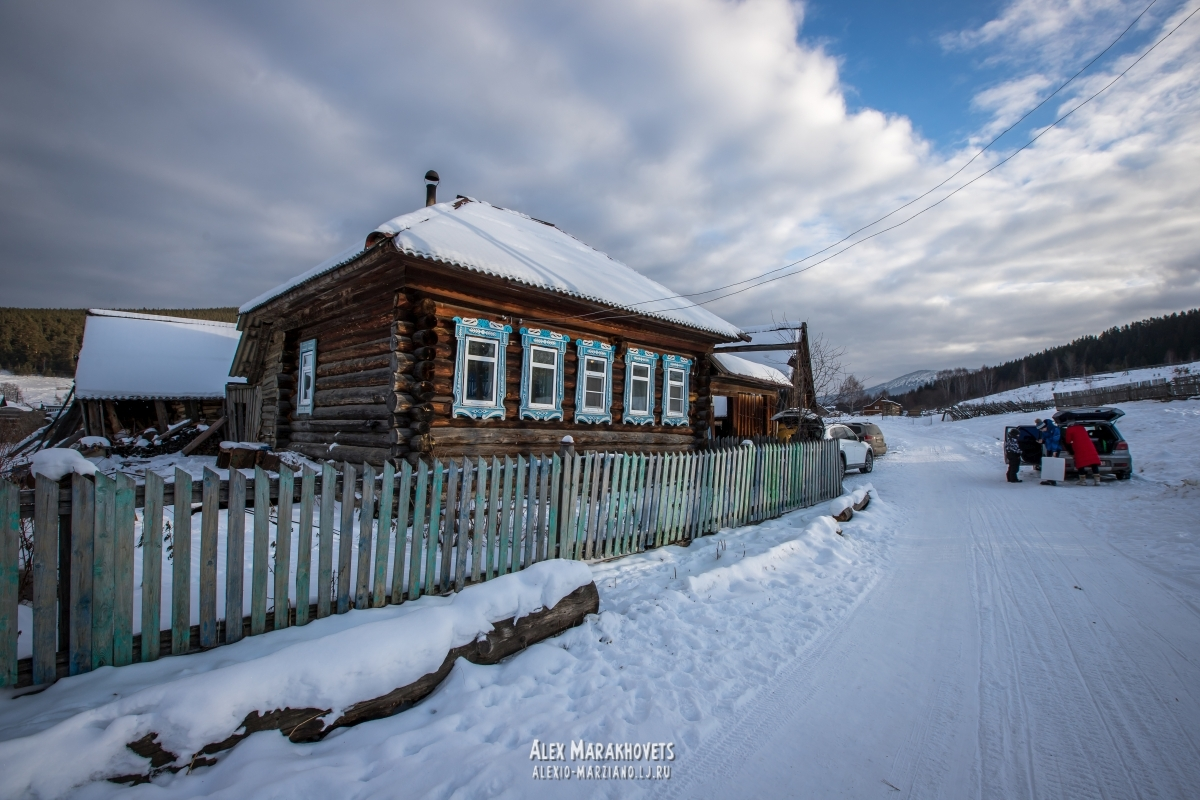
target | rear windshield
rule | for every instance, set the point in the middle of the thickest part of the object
(872, 428)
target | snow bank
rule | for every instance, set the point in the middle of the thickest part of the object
(55, 462)
(333, 671)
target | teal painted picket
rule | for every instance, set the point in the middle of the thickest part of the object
(428, 529)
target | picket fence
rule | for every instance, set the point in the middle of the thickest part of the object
(463, 521)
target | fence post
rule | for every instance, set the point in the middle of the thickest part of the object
(283, 547)
(210, 509)
(152, 539)
(235, 556)
(435, 528)
(366, 525)
(402, 532)
(345, 538)
(10, 533)
(83, 511)
(181, 564)
(325, 541)
(480, 532)
(45, 579)
(383, 539)
(123, 540)
(491, 534)
(418, 531)
(304, 546)
(102, 571)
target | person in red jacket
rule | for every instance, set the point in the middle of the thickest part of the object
(1086, 457)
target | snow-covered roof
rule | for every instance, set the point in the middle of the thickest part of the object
(484, 238)
(751, 369)
(128, 356)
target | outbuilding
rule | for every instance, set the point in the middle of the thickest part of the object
(882, 407)
(745, 396)
(469, 329)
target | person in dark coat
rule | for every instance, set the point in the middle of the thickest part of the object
(1086, 457)
(1050, 435)
(1012, 455)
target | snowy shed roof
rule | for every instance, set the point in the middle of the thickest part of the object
(128, 356)
(496, 241)
(736, 365)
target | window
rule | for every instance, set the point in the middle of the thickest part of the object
(675, 389)
(593, 382)
(307, 384)
(639, 386)
(479, 368)
(542, 373)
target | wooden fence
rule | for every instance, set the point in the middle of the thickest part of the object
(463, 521)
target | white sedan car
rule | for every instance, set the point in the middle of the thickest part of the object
(855, 454)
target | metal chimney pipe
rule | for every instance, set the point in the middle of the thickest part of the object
(431, 182)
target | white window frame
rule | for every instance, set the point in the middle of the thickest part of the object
(467, 330)
(634, 358)
(601, 351)
(647, 395)
(552, 366)
(495, 359)
(682, 366)
(307, 369)
(602, 406)
(681, 383)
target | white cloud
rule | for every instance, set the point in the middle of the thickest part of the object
(196, 158)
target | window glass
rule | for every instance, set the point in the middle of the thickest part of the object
(675, 392)
(306, 379)
(543, 371)
(481, 371)
(593, 387)
(640, 397)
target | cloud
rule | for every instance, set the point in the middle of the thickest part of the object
(200, 154)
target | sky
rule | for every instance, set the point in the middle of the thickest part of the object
(197, 154)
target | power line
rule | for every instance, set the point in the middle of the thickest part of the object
(759, 279)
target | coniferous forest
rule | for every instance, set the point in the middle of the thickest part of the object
(45, 341)
(1170, 339)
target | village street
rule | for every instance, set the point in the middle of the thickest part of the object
(1025, 641)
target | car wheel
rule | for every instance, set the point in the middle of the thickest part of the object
(842, 467)
(869, 464)
(1123, 476)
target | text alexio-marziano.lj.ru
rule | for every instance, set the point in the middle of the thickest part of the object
(642, 753)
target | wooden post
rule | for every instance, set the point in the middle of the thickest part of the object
(283, 547)
(123, 546)
(479, 534)
(181, 565)
(152, 538)
(345, 538)
(45, 579)
(415, 560)
(556, 481)
(160, 412)
(531, 512)
(304, 546)
(383, 539)
(518, 521)
(325, 542)
(103, 561)
(493, 516)
(10, 535)
(83, 510)
(210, 509)
(435, 528)
(402, 525)
(261, 549)
(235, 557)
(464, 523)
(366, 526)
(506, 515)
(446, 540)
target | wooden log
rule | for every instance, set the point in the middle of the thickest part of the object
(235, 556)
(181, 564)
(381, 438)
(329, 369)
(359, 395)
(306, 425)
(373, 347)
(195, 444)
(103, 556)
(425, 338)
(351, 380)
(304, 546)
(353, 412)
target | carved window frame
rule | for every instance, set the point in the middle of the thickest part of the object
(465, 329)
(673, 363)
(544, 340)
(584, 349)
(307, 367)
(634, 355)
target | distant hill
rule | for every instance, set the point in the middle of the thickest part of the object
(46, 341)
(905, 383)
(1171, 339)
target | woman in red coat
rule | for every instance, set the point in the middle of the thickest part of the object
(1086, 457)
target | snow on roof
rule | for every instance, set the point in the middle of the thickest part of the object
(128, 356)
(496, 241)
(751, 369)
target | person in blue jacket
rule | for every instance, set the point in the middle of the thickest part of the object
(1050, 435)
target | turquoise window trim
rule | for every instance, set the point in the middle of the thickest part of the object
(549, 340)
(307, 366)
(588, 348)
(634, 355)
(472, 328)
(673, 362)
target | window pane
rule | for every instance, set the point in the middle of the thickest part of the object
(641, 371)
(593, 393)
(478, 348)
(544, 356)
(595, 365)
(640, 399)
(542, 386)
(676, 399)
(480, 375)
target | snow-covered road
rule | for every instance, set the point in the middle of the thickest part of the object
(1026, 641)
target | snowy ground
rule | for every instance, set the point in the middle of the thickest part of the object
(964, 638)
(1045, 391)
(38, 390)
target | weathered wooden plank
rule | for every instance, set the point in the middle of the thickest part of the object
(479, 533)
(304, 546)
(383, 538)
(235, 556)
(599, 460)
(366, 526)
(420, 503)
(209, 513)
(531, 512)
(491, 533)
(102, 571)
(181, 564)
(283, 547)
(646, 502)
(260, 552)
(447, 538)
(10, 535)
(518, 516)
(403, 504)
(83, 502)
(639, 499)
(345, 538)
(507, 511)
(569, 512)
(556, 473)
(45, 579)
(325, 538)
(581, 511)
(462, 534)
(435, 527)
(543, 510)
(152, 537)
(617, 504)
(662, 498)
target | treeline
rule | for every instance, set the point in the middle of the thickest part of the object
(1171, 339)
(46, 341)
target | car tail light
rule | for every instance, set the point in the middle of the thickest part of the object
(868, 437)
(1122, 446)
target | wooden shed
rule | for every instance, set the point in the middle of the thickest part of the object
(468, 329)
(882, 407)
(139, 371)
(745, 396)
